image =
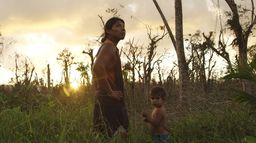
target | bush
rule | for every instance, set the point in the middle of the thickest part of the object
(227, 127)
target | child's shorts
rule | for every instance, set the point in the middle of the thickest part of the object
(161, 138)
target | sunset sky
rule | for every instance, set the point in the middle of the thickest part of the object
(43, 28)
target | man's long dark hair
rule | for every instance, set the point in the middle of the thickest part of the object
(108, 26)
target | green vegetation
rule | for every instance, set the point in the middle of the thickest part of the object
(65, 116)
(216, 118)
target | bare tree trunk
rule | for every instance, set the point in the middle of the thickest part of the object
(237, 28)
(183, 67)
(210, 69)
(48, 76)
(178, 45)
(90, 54)
(31, 75)
(16, 69)
(242, 36)
(66, 75)
(159, 72)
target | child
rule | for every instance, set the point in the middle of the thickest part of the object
(157, 118)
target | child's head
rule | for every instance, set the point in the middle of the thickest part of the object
(157, 96)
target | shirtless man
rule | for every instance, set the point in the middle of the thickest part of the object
(110, 112)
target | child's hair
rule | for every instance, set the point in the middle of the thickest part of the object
(158, 91)
(108, 25)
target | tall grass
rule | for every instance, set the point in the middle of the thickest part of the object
(226, 127)
(68, 119)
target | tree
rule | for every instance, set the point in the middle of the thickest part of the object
(178, 45)
(241, 24)
(83, 69)
(133, 56)
(221, 50)
(150, 60)
(66, 59)
(48, 76)
(159, 71)
(24, 73)
(249, 98)
(182, 64)
(242, 32)
(89, 52)
(145, 64)
(201, 59)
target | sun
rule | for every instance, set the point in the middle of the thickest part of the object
(75, 85)
(74, 79)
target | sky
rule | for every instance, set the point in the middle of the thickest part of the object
(43, 28)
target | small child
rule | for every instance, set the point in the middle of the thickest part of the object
(157, 118)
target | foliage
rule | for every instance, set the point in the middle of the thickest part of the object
(57, 118)
(249, 76)
(84, 74)
(66, 59)
(249, 139)
(215, 127)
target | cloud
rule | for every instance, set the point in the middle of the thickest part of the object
(52, 25)
(44, 9)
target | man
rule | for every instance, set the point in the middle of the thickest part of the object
(110, 112)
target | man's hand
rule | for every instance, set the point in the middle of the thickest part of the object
(121, 132)
(124, 135)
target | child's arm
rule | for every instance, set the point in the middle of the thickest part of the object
(155, 119)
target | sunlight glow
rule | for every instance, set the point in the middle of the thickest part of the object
(6, 75)
(74, 85)
(74, 78)
(38, 44)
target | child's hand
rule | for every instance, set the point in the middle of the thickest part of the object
(146, 116)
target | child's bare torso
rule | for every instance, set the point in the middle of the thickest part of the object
(161, 125)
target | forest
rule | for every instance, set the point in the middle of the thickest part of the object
(203, 105)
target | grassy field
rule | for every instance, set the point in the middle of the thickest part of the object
(47, 118)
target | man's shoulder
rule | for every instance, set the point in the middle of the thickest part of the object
(108, 47)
